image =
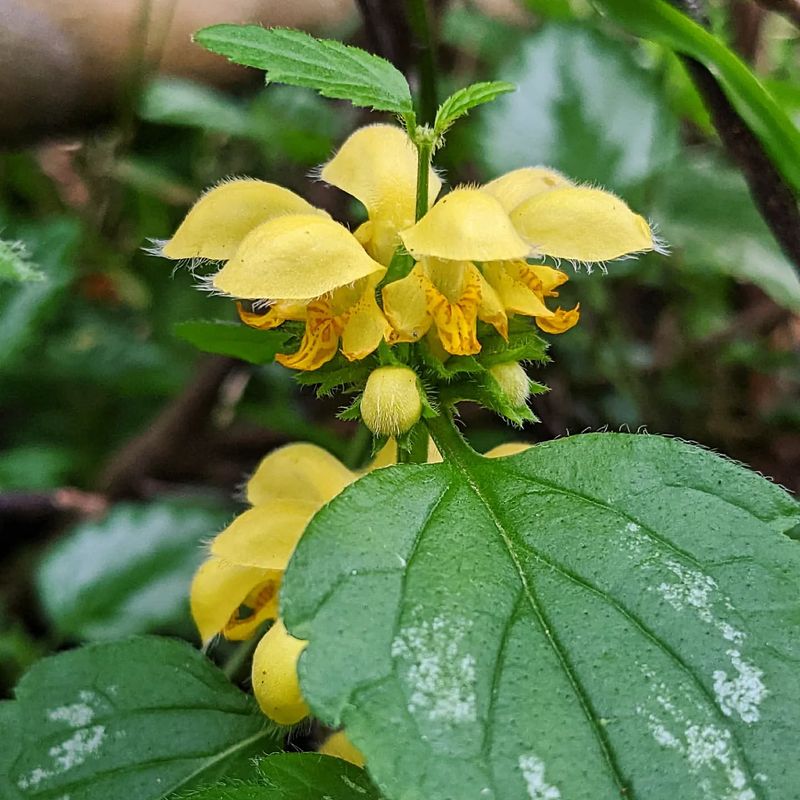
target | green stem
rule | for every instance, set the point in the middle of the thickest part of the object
(419, 19)
(452, 445)
(424, 150)
(240, 655)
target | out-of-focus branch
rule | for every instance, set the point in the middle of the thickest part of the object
(39, 504)
(67, 65)
(770, 192)
(388, 31)
(178, 429)
(773, 197)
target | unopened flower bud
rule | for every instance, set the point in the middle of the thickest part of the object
(513, 381)
(391, 404)
(274, 674)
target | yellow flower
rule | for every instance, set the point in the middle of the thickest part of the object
(528, 212)
(449, 295)
(339, 746)
(378, 166)
(236, 589)
(281, 250)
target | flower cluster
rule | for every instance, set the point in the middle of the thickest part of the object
(473, 252)
(235, 591)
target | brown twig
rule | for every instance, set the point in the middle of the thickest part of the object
(388, 30)
(179, 428)
(40, 504)
(773, 197)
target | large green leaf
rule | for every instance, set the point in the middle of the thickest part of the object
(296, 776)
(232, 339)
(134, 719)
(705, 212)
(661, 22)
(601, 616)
(128, 573)
(583, 106)
(334, 69)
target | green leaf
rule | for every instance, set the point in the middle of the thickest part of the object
(233, 339)
(176, 101)
(334, 69)
(705, 211)
(600, 616)
(129, 573)
(296, 776)
(10, 727)
(134, 719)
(660, 22)
(464, 100)
(23, 307)
(16, 264)
(584, 106)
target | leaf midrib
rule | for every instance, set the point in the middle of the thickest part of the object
(533, 601)
(633, 618)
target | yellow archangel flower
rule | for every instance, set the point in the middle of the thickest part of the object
(471, 248)
(473, 245)
(236, 589)
(294, 258)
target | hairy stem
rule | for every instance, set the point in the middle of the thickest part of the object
(424, 150)
(452, 445)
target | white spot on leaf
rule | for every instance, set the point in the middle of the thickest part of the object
(532, 769)
(743, 693)
(441, 676)
(699, 592)
(69, 754)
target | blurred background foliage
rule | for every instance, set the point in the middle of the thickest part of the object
(121, 446)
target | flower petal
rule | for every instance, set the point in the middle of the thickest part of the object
(516, 295)
(320, 339)
(365, 326)
(295, 257)
(221, 218)
(274, 674)
(377, 164)
(465, 225)
(582, 225)
(507, 449)
(218, 589)
(275, 315)
(339, 746)
(406, 307)
(260, 605)
(264, 536)
(561, 320)
(518, 185)
(298, 472)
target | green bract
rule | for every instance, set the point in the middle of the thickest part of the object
(602, 615)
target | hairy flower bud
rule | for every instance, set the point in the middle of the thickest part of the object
(513, 381)
(391, 404)
(274, 674)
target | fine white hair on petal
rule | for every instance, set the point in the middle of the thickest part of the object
(205, 283)
(155, 247)
(660, 245)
